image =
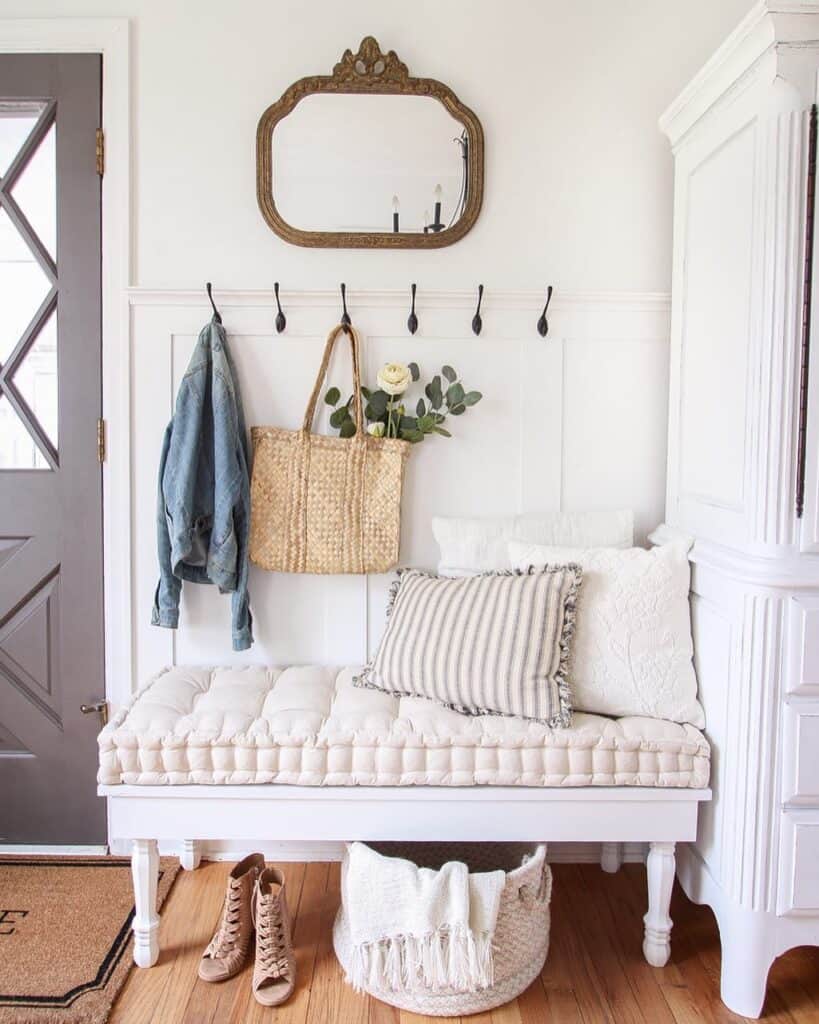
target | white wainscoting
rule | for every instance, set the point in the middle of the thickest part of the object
(576, 420)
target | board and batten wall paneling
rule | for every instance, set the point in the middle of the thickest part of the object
(576, 420)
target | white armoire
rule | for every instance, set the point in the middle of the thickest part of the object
(743, 478)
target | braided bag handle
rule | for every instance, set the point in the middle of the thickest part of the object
(310, 412)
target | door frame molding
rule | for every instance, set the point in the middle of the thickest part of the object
(109, 37)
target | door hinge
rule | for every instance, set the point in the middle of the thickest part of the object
(99, 152)
(101, 440)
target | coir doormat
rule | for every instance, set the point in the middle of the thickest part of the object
(65, 936)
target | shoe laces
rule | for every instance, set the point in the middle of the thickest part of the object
(227, 935)
(271, 945)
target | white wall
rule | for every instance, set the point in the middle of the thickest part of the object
(578, 182)
(578, 193)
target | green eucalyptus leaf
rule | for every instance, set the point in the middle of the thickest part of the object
(459, 410)
(378, 401)
(439, 417)
(365, 392)
(332, 396)
(408, 423)
(347, 428)
(449, 373)
(472, 397)
(412, 435)
(426, 423)
(442, 432)
(434, 393)
(421, 408)
(454, 395)
(339, 416)
(415, 373)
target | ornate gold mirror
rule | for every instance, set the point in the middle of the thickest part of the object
(369, 157)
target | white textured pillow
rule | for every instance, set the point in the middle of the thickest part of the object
(632, 651)
(469, 546)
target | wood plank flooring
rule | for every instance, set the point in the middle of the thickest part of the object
(595, 971)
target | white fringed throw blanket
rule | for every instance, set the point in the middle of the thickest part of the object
(416, 929)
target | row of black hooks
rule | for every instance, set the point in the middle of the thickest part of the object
(412, 319)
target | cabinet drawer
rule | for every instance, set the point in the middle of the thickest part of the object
(800, 753)
(799, 863)
(803, 646)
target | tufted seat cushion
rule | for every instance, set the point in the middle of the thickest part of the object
(309, 726)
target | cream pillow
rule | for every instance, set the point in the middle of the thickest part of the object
(632, 651)
(469, 546)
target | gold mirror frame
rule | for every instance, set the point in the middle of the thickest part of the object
(368, 71)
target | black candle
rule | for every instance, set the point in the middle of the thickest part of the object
(395, 208)
(438, 196)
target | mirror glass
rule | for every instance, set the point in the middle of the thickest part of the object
(369, 163)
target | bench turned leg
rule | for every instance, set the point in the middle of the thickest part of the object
(145, 872)
(611, 857)
(190, 854)
(660, 869)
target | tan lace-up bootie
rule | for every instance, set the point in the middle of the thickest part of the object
(274, 974)
(228, 949)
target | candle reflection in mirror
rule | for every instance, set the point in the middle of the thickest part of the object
(436, 224)
(439, 194)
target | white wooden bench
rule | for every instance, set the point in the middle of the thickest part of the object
(301, 755)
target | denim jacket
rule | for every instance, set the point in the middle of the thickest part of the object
(203, 500)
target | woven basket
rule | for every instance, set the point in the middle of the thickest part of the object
(521, 939)
(326, 504)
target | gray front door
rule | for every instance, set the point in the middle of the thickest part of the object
(51, 617)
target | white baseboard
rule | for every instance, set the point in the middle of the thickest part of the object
(559, 853)
(53, 851)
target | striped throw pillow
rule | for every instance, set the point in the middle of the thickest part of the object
(493, 644)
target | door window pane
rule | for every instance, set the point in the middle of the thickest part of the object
(18, 450)
(23, 286)
(36, 378)
(36, 192)
(17, 118)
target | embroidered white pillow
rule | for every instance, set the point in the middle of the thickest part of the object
(498, 643)
(468, 546)
(632, 652)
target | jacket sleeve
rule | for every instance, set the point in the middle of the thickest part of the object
(166, 597)
(240, 599)
(232, 505)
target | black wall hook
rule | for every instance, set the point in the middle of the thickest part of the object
(217, 316)
(345, 316)
(281, 319)
(412, 319)
(543, 323)
(477, 322)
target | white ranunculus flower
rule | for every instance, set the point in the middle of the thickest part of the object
(394, 378)
(376, 429)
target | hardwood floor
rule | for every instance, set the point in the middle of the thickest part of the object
(595, 970)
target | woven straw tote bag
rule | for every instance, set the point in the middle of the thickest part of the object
(326, 504)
